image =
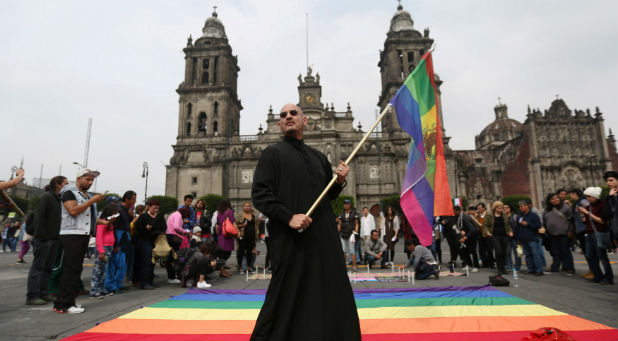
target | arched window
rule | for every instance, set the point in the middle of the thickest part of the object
(189, 109)
(215, 127)
(188, 129)
(216, 108)
(202, 122)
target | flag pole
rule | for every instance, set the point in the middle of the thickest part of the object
(347, 161)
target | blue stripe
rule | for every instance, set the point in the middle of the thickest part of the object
(358, 296)
(424, 195)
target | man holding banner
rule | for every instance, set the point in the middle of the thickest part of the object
(309, 296)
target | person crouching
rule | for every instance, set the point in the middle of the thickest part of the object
(421, 260)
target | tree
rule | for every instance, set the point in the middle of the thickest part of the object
(167, 204)
(513, 202)
(212, 201)
(337, 204)
(392, 201)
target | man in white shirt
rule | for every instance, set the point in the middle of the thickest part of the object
(367, 224)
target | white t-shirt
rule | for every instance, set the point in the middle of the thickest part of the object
(367, 224)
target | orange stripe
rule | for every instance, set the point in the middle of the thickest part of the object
(376, 326)
(476, 324)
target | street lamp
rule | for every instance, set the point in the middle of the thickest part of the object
(145, 175)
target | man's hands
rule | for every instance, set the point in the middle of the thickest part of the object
(101, 256)
(300, 222)
(613, 191)
(342, 171)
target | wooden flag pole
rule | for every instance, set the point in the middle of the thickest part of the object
(347, 161)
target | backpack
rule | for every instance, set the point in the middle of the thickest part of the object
(498, 281)
(162, 249)
(30, 228)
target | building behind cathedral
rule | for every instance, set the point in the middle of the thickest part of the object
(554, 148)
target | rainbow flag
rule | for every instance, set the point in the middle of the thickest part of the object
(425, 193)
(446, 313)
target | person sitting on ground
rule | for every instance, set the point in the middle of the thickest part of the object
(374, 249)
(195, 263)
(422, 260)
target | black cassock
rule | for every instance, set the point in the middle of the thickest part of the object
(309, 296)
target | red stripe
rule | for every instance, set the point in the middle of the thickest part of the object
(86, 336)
(597, 335)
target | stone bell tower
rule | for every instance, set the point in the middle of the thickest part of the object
(208, 115)
(209, 105)
(403, 48)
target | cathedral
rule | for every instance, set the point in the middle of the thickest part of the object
(551, 149)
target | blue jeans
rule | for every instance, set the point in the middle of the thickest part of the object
(593, 256)
(423, 270)
(542, 253)
(357, 246)
(511, 248)
(532, 250)
(371, 259)
(97, 281)
(12, 243)
(116, 267)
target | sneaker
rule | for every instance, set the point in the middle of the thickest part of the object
(76, 310)
(59, 311)
(105, 293)
(465, 268)
(21, 262)
(36, 301)
(242, 272)
(173, 281)
(147, 287)
(251, 271)
(203, 285)
(95, 296)
(475, 270)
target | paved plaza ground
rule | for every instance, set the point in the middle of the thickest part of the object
(572, 295)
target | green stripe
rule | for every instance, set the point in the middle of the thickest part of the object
(401, 302)
(420, 87)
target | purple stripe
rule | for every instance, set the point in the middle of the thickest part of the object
(193, 291)
(427, 289)
(425, 196)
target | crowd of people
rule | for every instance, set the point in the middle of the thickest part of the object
(66, 222)
(571, 218)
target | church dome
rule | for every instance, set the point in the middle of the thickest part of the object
(402, 20)
(213, 28)
(499, 131)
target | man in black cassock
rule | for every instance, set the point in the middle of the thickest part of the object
(309, 296)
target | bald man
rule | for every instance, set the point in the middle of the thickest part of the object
(309, 296)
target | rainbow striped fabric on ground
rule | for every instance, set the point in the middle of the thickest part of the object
(453, 313)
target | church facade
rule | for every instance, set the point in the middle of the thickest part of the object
(211, 157)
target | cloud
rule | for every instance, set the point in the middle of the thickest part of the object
(121, 62)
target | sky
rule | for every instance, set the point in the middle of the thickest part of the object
(120, 62)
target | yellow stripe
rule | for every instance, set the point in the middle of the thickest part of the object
(363, 313)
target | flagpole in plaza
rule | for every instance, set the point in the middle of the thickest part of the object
(386, 110)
